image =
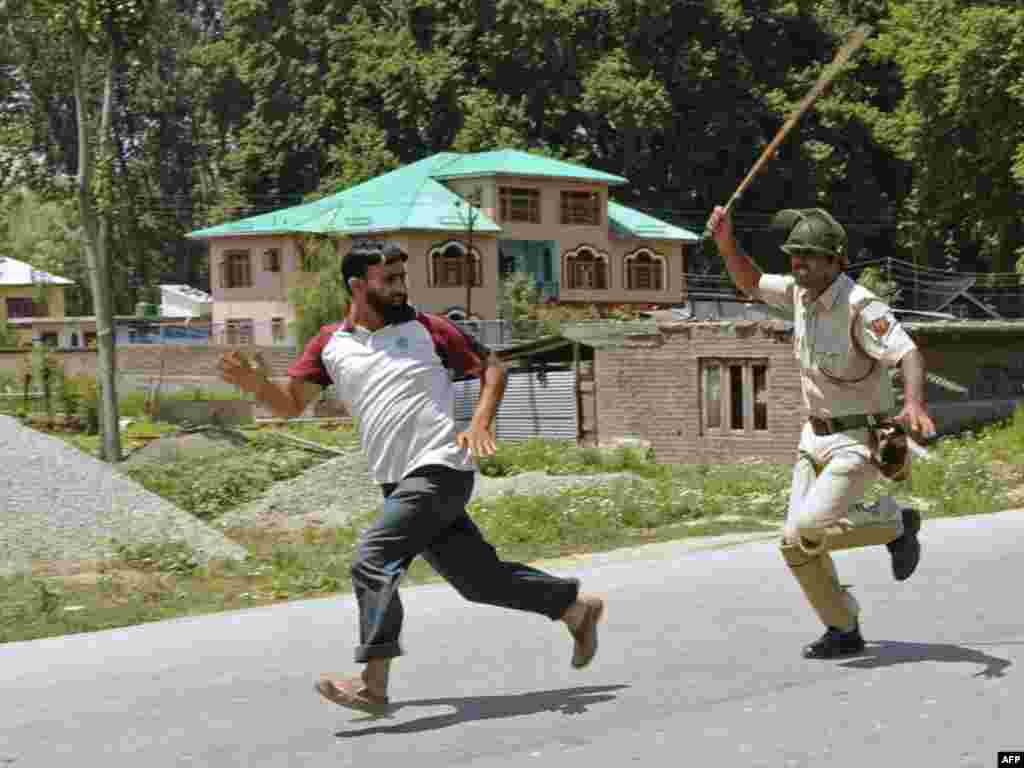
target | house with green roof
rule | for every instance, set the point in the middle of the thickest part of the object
(467, 220)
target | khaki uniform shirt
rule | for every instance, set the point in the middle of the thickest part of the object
(822, 342)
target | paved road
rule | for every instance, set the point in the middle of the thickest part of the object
(699, 666)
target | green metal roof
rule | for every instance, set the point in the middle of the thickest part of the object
(630, 223)
(407, 198)
(412, 198)
(514, 162)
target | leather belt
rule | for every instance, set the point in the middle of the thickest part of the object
(830, 425)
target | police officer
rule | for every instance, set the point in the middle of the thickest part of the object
(844, 338)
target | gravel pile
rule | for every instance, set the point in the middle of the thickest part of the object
(328, 494)
(57, 503)
(190, 445)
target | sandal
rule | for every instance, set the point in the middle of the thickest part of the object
(354, 694)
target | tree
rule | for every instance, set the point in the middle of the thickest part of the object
(45, 234)
(99, 36)
(468, 214)
(325, 299)
(960, 123)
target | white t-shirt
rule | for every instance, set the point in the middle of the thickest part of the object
(397, 383)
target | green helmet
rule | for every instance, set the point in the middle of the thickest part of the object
(812, 229)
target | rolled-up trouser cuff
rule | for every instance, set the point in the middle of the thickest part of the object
(378, 651)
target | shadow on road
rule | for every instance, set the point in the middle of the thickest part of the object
(890, 653)
(568, 701)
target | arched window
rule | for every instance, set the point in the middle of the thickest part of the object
(645, 271)
(586, 269)
(448, 265)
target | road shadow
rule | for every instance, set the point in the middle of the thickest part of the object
(890, 653)
(568, 701)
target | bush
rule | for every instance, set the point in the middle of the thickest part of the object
(563, 457)
(46, 371)
(70, 394)
(207, 489)
(170, 557)
(88, 391)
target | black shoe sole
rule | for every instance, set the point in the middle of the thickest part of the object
(832, 655)
(909, 540)
(834, 645)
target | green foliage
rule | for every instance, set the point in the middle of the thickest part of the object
(361, 155)
(519, 294)
(8, 335)
(960, 121)
(167, 557)
(69, 392)
(323, 301)
(873, 279)
(208, 488)
(43, 232)
(491, 121)
(564, 458)
(46, 373)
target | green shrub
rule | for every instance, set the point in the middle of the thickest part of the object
(168, 557)
(207, 488)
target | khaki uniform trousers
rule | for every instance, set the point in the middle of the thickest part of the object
(830, 477)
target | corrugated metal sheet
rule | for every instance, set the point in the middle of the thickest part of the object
(535, 405)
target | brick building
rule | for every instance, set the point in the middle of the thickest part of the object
(725, 392)
(703, 392)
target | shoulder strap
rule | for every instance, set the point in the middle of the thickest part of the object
(858, 309)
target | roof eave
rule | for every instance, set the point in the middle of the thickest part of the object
(614, 181)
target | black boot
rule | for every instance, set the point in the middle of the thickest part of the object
(906, 550)
(834, 644)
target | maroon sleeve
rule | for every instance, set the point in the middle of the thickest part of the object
(310, 366)
(458, 350)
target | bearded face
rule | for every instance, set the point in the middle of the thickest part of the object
(388, 296)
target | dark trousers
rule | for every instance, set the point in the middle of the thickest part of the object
(425, 514)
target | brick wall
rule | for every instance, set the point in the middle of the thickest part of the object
(184, 367)
(179, 363)
(649, 389)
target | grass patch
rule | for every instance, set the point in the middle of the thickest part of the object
(973, 474)
(559, 457)
(208, 486)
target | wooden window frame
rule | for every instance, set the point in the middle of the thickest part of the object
(753, 414)
(236, 270)
(441, 265)
(652, 259)
(26, 303)
(238, 331)
(511, 204)
(599, 262)
(581, 208)
(277, 329)
(272, 260)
